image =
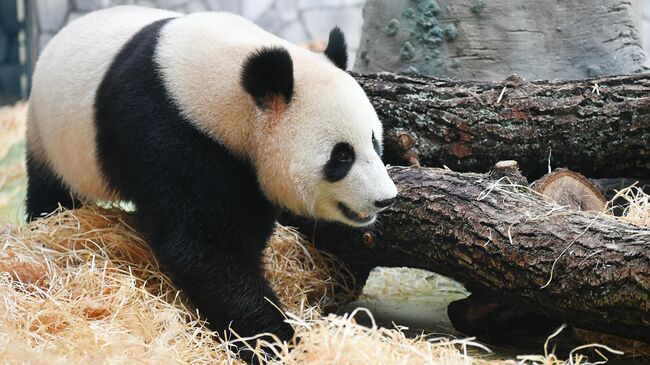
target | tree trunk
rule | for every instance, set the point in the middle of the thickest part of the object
(503, 242)
(598, 127)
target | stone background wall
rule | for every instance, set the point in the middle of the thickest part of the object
(646, 23)
(298, 21)
(492, 39)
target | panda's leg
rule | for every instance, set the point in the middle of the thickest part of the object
(228, 287)
(220, 272)
(45, 191)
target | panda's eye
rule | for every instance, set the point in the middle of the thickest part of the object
(342, 153)
(343, 156)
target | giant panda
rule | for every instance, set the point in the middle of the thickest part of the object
(209, 125)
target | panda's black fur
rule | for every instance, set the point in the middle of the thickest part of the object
(337, 49)
(45, 190)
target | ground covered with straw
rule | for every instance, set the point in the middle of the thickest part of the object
(82, 287)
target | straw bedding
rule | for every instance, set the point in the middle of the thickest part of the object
(82, 287)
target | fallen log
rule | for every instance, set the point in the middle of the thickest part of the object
(598, 127)
(503, 241)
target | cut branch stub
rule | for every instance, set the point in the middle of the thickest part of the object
(510, 170)
(402, 143)
(405, 141)
(368, 239)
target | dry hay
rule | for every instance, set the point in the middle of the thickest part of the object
(82, 287)
(636, 209)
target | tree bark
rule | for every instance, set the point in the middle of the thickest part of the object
(504, 242)
(598, 127)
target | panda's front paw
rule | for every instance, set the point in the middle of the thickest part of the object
(253, 358)
(265, 354)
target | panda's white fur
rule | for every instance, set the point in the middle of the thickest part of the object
(200, 57)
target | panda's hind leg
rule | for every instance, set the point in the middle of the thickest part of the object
(45, 190)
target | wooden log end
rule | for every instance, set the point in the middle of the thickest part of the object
(403, 143)
(566, 187)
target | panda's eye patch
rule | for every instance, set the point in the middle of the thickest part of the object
(340, 162)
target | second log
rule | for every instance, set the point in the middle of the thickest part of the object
(502, 241)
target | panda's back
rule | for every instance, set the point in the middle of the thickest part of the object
(62, 129)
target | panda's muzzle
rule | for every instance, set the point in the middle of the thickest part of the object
(354, 216)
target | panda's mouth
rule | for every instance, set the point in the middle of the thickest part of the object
(361, 218)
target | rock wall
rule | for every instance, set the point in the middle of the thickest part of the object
(298, 21)
(646, 23)
(491, 39)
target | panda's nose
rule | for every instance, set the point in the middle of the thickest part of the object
(384, 203)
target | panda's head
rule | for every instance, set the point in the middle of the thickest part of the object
(317, 139)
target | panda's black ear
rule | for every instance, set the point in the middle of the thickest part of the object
(337, 49)
(268, 73)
